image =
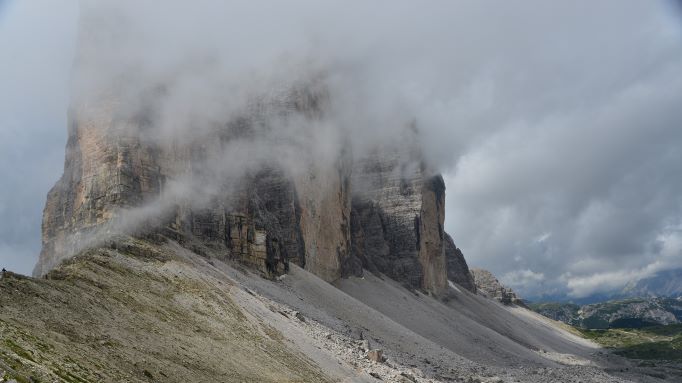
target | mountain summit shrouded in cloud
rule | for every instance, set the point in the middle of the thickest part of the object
(557, 125)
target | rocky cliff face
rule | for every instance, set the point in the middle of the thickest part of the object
(457, 268)
(383, 212)
(489, 286)
(116, 179)
(241, 188)
(397, 217)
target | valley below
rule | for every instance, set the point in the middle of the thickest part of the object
(663, 343)
(646, 330)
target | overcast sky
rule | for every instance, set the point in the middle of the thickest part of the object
(36, 52)
(558, 126)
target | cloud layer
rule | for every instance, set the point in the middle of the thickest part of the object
(557, 125)
(580, 180)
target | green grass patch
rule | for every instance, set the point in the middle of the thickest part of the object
(67, 376)
(15, 348)
(650, 343)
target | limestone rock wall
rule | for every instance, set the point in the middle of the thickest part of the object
(431, 235)
(458, 270)
(131, 167)
(106, 169)
(383, 213)
(118, 179)
(324, 198)
(334, 214)
(397, 218)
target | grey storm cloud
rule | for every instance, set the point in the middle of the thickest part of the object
(577, 189)
(557, 125)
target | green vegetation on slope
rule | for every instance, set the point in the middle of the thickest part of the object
(655, 343)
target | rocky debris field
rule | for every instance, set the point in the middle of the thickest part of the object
(167, 314)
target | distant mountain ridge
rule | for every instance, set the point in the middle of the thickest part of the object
(628, 313)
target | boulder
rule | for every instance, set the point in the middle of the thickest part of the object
(376, 355)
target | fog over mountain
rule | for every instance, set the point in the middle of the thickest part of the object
(557, 126)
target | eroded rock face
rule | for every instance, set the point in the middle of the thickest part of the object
(398, 211)
(458, 270)
(237, 184)
(117, 179)
(325, 199)
(106, 169)
(489, 286)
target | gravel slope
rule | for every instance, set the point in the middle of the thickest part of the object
(167, 314)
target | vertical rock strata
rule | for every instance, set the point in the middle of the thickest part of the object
(398, 212)
(458, 270)
(324, 196)
(430, 233)
(391, 222)
(384, 212)
(117, 180)
(126, 171)
(106, 169)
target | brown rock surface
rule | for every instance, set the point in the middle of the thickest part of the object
(237, 183)
(376, 355)
(117, 180)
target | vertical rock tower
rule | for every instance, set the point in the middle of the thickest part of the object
(398, 213)
(117, 180)
(239, 186)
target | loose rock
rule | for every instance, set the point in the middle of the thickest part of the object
(376, 355)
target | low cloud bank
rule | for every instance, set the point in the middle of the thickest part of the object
(557, 125)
